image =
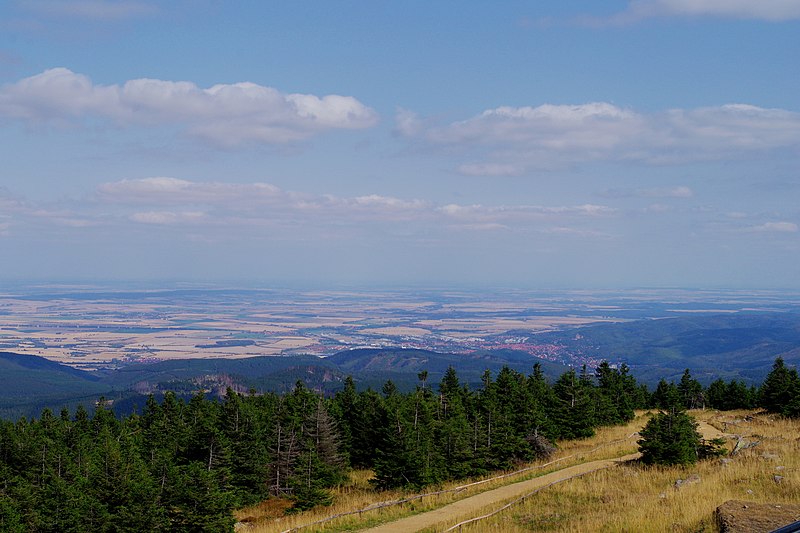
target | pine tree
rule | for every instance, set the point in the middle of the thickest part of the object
(575, 409)
(10, 517)
(245, 422)
(345, 409)
(691, 392)
(616, 394)
(365, 421)
(717, 395)
(395, 464)
(453, 433)
(780, 390)
(670, 439)
(666, 396)
(320, 464)
(543, 401)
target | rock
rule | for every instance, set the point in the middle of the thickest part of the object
(777, 479)
(725, 461)
(736, 516)
(769, 456)
(743, 444)
(779, 468)
(691, 480)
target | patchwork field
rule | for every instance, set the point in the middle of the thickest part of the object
(92, 328)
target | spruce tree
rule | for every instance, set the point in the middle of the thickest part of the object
(691, 392)
(780, 390)
(670, 438)
(575, 407)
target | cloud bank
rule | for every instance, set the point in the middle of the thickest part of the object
(91, 9)
(168, 201)
(776, 227)
(638, 10)
(514, 140)
(227, 115)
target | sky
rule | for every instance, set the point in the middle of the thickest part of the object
(641, 143)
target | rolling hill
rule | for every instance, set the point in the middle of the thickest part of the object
(731, 346)
(29, 383)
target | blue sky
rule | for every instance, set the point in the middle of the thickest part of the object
(532, 144)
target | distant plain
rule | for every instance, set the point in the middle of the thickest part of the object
(93, 327)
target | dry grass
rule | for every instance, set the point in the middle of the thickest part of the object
(631, 498)
(637, 498)
(358, 494)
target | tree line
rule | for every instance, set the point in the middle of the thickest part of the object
(184, 465)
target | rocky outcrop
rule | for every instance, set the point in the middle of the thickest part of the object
(735, 516)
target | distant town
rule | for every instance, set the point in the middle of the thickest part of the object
(92, 328)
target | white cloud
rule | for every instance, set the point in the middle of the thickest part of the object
(224, 115)
(562, 230)
(165, 190)
(675, 192)
(657, 208)
(681, 191)
(172, 201)
(387, 202)
(637, 10)
(522, 212)
(62, 217)
(485, 226)
(514, 140)
(10, 203)
(776, 227)
(490, 169)
(220, 211)
(90, 9)
(251, 198)
(407, 122)
(167, 217)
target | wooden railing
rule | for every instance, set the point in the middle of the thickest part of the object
(461, 488)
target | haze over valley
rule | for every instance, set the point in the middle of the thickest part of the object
(397, 265)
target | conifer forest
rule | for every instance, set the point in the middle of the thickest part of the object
(185, 465)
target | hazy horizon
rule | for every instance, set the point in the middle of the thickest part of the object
(628, 144)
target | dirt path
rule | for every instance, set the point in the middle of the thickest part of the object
(710, 432)
(470, 506)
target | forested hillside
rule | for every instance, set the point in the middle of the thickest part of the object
(729, 346)
(738, 347)
(127, 386)
(31, 383)
(183, 466)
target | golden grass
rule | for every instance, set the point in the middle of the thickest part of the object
(637, 498)
(357, 494)
(631, 497)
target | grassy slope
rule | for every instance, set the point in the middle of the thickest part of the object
(638, 498)
(626, 498)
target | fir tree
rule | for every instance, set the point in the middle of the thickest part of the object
(575, 409)
(670, 439)
(780, 391)
(690, 391)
